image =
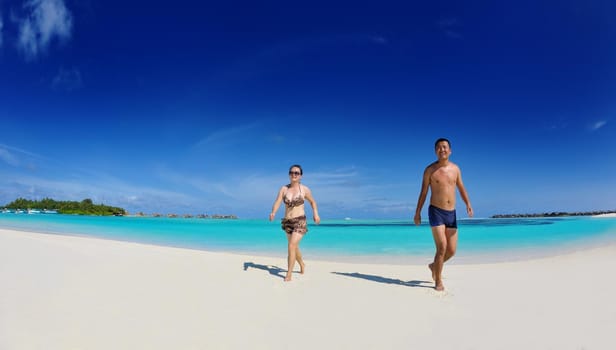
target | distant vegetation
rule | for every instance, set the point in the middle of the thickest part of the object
(85, 207)
(189, 216)
(554, 214)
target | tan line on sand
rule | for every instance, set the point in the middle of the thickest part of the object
(61, 292)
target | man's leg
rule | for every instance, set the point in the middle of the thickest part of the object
(440, 241)
(452, 242)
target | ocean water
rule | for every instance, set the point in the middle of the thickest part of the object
(386, 241)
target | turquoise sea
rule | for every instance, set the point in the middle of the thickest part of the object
(387, 241)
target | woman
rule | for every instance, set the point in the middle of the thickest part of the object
(294, 221)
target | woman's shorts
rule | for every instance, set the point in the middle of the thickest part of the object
(296, 224)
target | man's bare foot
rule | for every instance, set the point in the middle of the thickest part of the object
(302, 268)
(431, 266)
(438, 285)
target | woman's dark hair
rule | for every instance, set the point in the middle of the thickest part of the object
(301, 172)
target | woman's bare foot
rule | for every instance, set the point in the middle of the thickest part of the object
(288, 278)
(302, 267)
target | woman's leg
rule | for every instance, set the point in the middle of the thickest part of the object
(293, 239)
(300, 261)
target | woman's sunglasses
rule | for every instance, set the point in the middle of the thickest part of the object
(296, 173)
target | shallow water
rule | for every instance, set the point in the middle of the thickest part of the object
(387, 241)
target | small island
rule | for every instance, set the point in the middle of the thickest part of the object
(554, 214)
(48, 205)
(87, 207)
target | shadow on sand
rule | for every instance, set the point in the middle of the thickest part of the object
(273, 270)
(380, 279)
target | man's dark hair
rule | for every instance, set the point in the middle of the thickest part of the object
(441, 140)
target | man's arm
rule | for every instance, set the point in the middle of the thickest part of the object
(423, 193)
(464, 194)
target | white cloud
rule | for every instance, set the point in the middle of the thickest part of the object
(379, 40)
(597, 125)
(100, 188)
(67, 79)
(257, 189)
(226, 137)
(16, 156)
(45, 20)
(8, 157)
(450, 26)
(341, 192)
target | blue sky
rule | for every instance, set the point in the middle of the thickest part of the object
(197, 107)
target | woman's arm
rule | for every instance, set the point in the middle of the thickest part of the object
(313, 204)
(277, 203)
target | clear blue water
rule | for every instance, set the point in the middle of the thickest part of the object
(355, 240)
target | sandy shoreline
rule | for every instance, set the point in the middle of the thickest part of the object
(608, 215)
(61, 292)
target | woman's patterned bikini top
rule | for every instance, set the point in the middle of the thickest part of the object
(294, 202)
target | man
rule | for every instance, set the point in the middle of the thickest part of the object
(442, 177)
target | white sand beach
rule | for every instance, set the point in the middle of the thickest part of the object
(608, 215)
(61, 292)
